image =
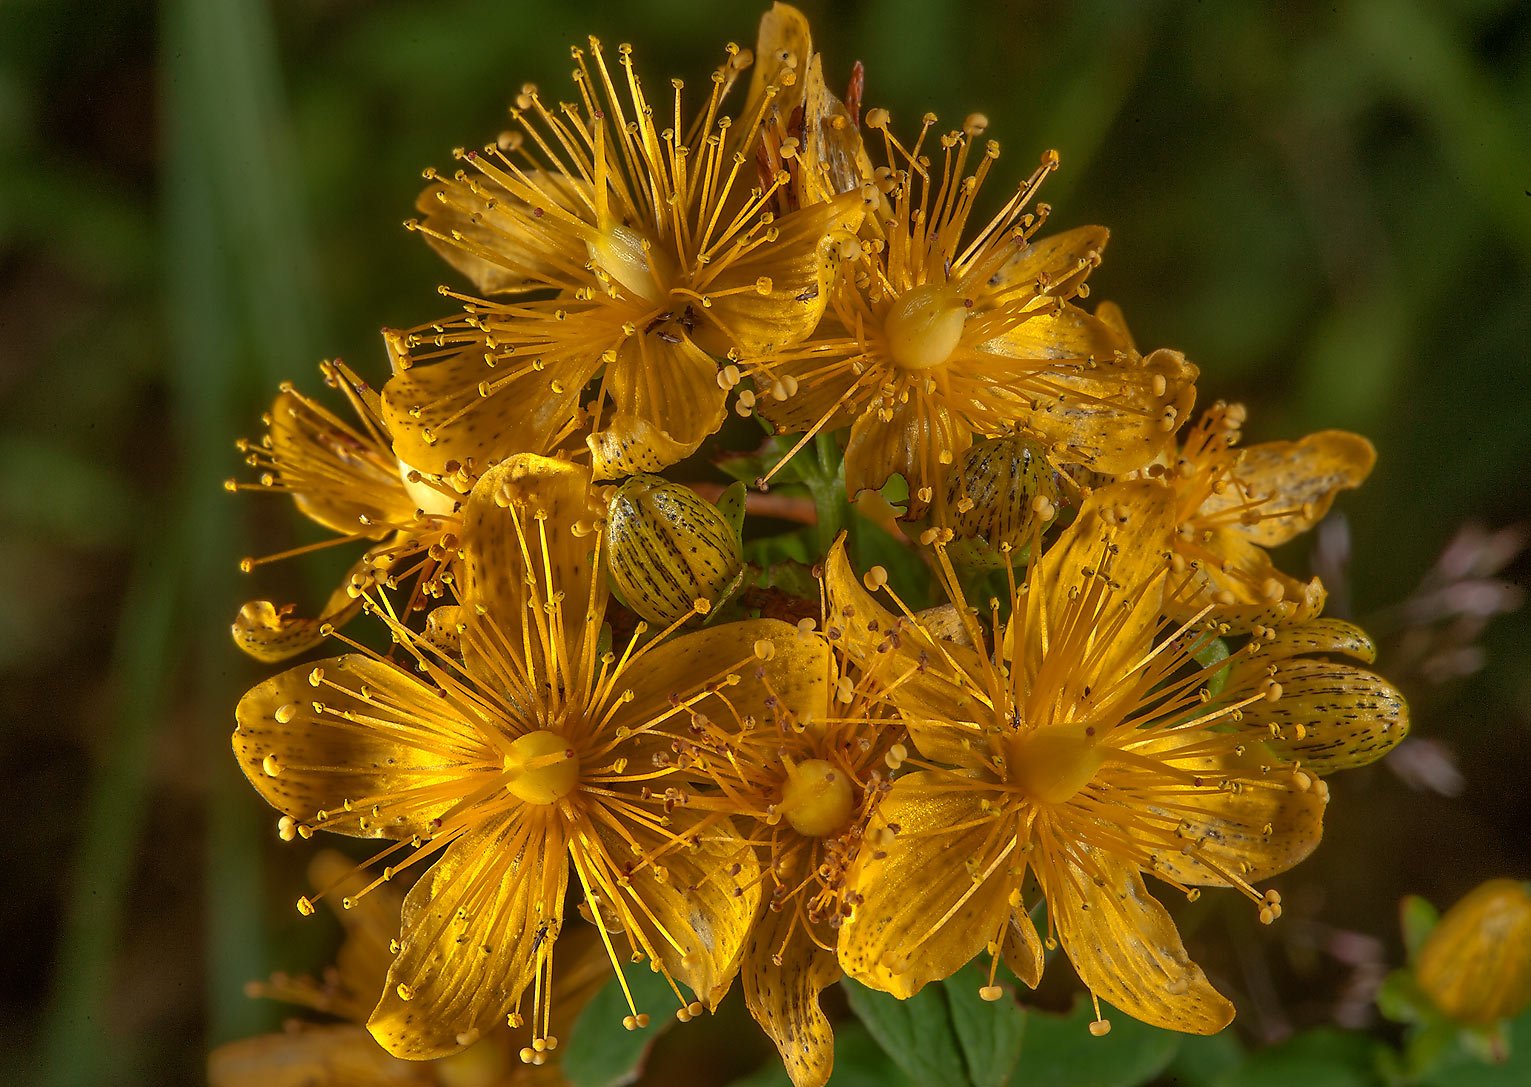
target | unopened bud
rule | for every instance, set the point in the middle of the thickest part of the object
(1475, 965)
(668, 548)
(1000, 494)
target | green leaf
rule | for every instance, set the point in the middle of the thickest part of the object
(859, 1062)
(1316, 1058)
(1464, 1070)
(731, 506)
(1399, 999)
(1060, 1051)
(1417, 917)
(989, 1032)
(598, 1051)
(1203, 1060)
(917, 1033)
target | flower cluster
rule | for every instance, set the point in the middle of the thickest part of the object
(594, 728)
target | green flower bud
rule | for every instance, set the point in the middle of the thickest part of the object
(999, 494)
(1475, 965)
(667, 548)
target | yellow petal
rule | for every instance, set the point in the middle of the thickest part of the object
(304, 761)
(1241, 584)
(796, 272)
(1111, 315)
(1329, 716)
(271, 634)
(1301, 479)
(1079, 635)
(501, 245)
(1255, 832)
(1065, 333)
(1022, 949)
(929, 897)
(1318, 637)
(337, 476)
(667, 400)
(1055, 265)
(794, 680)
(1124, 945)
(1110, 416)
(521, 551)
(833, 159)
(784, 37)
(693, 906)
(438, 415)
(474, 927)
(922, 436)
(342, 1056)
(784, 971)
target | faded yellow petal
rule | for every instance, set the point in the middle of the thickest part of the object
(667, 400)
(692, 906)
(783, 974)
(271, 634)
(1022, 949)
(438, 415)
(833, 158)
(474, 927)
(328, 1056)
(1054, 266)
(520, 549)
(782, 47)
(322, 760)
(794, 269)
(1329, 716)
(930, 897)
(1124, 945)
(922, 436)
(1111, 315)
(1301, 480)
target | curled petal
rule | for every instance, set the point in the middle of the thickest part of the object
(305, 746)
(1022, 949)
(667, 400)
(783, 974)
(477, 927)
(833, 159)
(935, 891)
(1320, 637)
(1328, 716)
(1243, 587)
(915, 439)
(271, 634)
(1124, 945)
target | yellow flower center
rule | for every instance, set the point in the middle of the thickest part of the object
(541, 767)
(817, 798)
(924, 327)
(1053, 763)
(623, 255)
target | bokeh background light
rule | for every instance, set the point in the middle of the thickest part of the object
(1326, 205)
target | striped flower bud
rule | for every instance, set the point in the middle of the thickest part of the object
(1475, 965)
(999, 494)
(667, 548)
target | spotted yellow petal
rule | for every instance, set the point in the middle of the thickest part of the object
(1067, 332)
(1244, 587)
(833, 158)
(933, 892)
(297, 742)
(782, 48)
(1055, 264)
(1124, 945)
(528, 536)
(274, 634)
(476, 927)
(1330, 716)
(692, 905)
(670, 387)
(784, 971)
(439, 413)
(1319, 637)
(1301, 480)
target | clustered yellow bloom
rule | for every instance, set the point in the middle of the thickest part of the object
(713, 776)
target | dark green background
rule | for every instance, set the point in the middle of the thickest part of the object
(1325, 205)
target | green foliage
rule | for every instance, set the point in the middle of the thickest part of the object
(598, 1052)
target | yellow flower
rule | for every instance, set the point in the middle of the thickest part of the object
(536, 748)
(344, 1054)
(653, 235)
(1475, 966)
(1081, 751)
(802, 786)
(346, 478)
(938, 331)
(1233, 503)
